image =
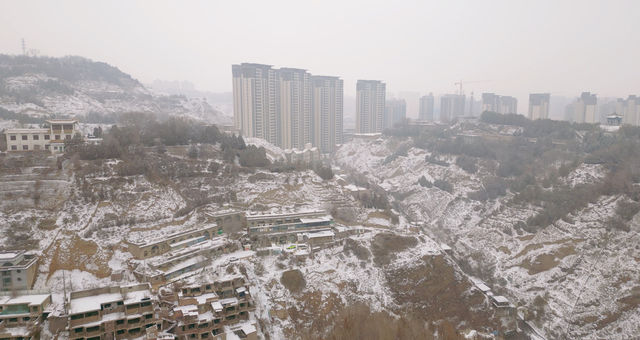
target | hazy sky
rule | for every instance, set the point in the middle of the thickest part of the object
(562, 47)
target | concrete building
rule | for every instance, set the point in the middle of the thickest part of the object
(202, 310)
(500, 104)
(49, 139)
(288, 107)
(585, 109)
(395, 112)
(370, 106)
(112, 312)
(18, 270)
(539, 106)
(172, 265)
(149, 243)
(21, 316)
(426, 108)
(328, 94)
(294, 109)
(451, 107)
(255, 101)
(631, 107)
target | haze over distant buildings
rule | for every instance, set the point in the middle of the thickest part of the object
(429, 48)
(370, 106)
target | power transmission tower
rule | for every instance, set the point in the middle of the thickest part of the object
(24, 47)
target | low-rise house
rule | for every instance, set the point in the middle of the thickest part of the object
(50, 139)
(112, 312)
(17, 270)
(21, 317)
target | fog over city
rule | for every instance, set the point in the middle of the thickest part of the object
(513, 47)
(319, 170)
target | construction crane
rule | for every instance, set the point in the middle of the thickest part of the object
(459, 84)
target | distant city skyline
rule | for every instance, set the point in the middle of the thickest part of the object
(430, 47)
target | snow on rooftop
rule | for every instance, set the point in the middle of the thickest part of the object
(323, 233)
(217, 306)
(8, 256)
(92, 303)
(500, 299)
(315, 219)
(483, 288)
(36, 299)
(248, 328)
(137, 296)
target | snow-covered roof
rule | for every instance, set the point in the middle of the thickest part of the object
(32, 300)
(257, 216)
(217, 306)
(248, 328)
(229, 301)
(8, 256)
(500, 299)
(137, 296)
(62, 121)
(323, 233)
(483, 288)
(315, 219)
(92, 303)
(241, 290)
(202, 299)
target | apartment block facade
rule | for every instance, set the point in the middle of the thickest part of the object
(112, 313)
(500, 104)
(370, 106)
(327, 112)
(202, 310)
(451, 107)
(21, 316)
(585, 109)
(395, 112)
(539, 106)
(288, 107)
(630, 110)
(426, 111)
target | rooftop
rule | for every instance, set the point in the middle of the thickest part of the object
(92, 303)
(62, 121)
(32, 300)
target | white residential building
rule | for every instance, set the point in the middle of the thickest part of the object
(42, 139)
(327, 93)
(370, 106)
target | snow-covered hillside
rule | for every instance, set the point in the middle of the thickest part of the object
(582, 277)
(77, 87)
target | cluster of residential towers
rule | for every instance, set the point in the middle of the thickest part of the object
(293, 109)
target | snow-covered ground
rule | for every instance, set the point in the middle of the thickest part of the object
(586, 273)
